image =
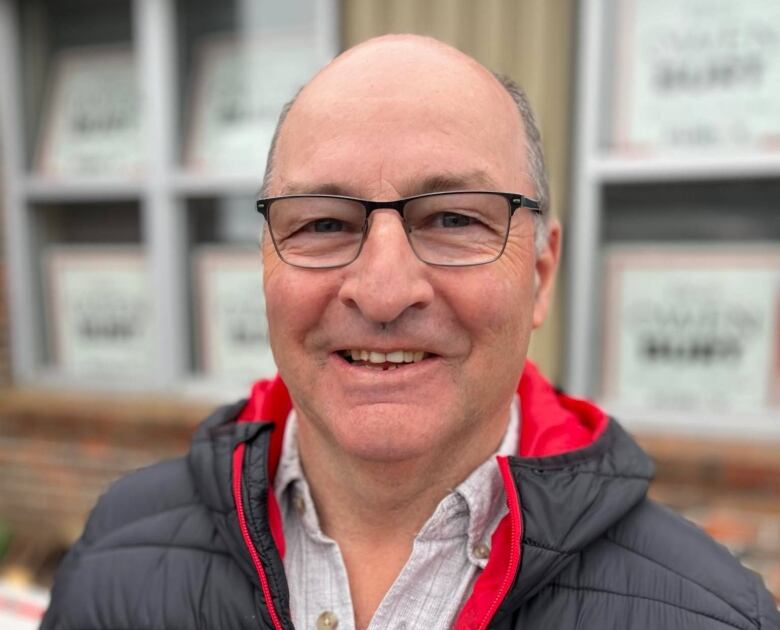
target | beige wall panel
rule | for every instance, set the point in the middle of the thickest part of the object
(445, 20)
(507, 63)
(404, 13)
(530, 40)
(553, 103)
(526, 48)
(489, 45)
(361, 19)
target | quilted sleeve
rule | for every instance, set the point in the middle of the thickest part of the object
(52, 619)
(768, 612)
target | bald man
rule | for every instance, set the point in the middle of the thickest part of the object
(408, 468)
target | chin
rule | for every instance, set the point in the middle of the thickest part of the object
(386, 437)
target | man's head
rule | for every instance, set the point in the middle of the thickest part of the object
(394, 117)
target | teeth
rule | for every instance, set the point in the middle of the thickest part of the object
(376, 357)
(396, 356)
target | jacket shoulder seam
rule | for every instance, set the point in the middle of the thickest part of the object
(683, 577)
(95, 552)
(759, 612)
(103, 533)
(664, 602)
(576, 468)
(535, 543)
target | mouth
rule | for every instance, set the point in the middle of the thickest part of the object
(374, 360)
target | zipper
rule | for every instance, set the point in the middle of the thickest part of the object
(513, 503)
(238, 466)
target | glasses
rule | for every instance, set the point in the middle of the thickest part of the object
(453, 229)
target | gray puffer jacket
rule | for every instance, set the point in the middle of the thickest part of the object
(196, 543)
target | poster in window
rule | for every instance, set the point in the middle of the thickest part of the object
(100, 312)
(92, 122)
(233, 330)
(237, 95)
(697, 74)
(694, 329)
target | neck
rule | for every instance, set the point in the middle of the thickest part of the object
(374, 509)
(357, 498)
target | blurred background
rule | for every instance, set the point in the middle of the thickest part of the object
(133, 136)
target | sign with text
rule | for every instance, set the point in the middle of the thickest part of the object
(100, 311)
(692, 330)
(233, 339)
(92, 122)
(697, 74)
(238, 93)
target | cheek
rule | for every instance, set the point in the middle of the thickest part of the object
(495, 306)
(274, 290)
(285, 296)
(495, 312)
(517, 281)
(507, 324)
(297, 302)
(288, 324)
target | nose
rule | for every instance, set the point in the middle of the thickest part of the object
(387, 278)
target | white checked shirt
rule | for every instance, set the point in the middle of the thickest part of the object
(448, 553)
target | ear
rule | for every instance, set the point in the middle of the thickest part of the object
(544, 272)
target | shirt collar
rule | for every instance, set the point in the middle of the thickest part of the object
(477, 505)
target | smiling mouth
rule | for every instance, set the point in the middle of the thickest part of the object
(372, 359)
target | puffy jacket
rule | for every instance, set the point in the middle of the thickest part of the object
(197, 543)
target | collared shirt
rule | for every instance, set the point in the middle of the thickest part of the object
(448, 553)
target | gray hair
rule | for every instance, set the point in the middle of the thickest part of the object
(533, 148)
(534, 156)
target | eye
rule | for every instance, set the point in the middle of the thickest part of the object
(453, 219)
(325, 225)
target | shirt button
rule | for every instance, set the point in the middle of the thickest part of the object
(300, 505)
(327, 621)
(481, 551)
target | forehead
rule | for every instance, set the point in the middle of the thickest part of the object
(395, 118)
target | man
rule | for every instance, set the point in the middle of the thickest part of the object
(396, 475)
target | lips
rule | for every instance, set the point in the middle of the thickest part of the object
(383, 360)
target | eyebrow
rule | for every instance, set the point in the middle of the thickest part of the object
(443, 182)
(302, 188)
(440, 182)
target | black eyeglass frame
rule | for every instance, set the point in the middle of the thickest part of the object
(514, 201)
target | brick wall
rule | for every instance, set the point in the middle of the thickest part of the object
(59, 452)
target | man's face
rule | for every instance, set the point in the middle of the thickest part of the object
(382, 127)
